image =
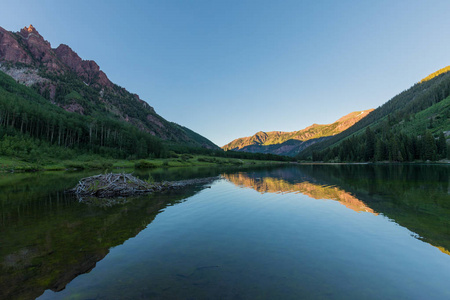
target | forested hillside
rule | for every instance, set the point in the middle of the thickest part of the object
(413, 125)
(31, 126)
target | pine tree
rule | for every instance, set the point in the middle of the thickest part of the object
(370, 145)
(380, 151)
(393, 149)
(442, 146)
(429, 146)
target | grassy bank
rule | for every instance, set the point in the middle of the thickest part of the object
(12, 164)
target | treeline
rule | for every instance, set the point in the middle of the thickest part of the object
(182, 149)
(25, 114)
(256, 156)
(382, 145)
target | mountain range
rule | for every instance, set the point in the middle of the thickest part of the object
(79, 86)
(292, 143)
(413, 125)
(52, 100)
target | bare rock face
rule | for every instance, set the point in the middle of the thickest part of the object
(86, 69)
(26, 76)
(40, 49)
(10, 49)
(28, 47)
(68, 56)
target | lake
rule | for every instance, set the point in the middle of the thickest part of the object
(299, 231)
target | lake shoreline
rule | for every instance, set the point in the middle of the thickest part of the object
(12, 165)
(441, 162)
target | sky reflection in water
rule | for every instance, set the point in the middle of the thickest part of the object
(265, 234)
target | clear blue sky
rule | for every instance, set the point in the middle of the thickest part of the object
(227, 69)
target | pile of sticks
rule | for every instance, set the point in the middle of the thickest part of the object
(113, 185)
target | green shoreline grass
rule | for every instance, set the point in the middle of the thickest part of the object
(11, 164)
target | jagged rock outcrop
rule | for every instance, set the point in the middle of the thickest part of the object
(10, 49)
(88, 70)
(40, 50)
(30, 48)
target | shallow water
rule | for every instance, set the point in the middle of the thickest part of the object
(315, 232)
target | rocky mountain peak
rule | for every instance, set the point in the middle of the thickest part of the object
(26, 32)
(30, 29)
(39, 50)
(10, 50)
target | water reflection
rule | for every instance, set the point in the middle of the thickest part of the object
(316, 191)
(48, 238)
(414, 196)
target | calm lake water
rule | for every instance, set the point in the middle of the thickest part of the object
(307, 231)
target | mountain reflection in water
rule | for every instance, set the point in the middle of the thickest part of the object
(414, 196)
(277, 185)
(48, 238)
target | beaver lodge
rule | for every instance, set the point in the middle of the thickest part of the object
(123, 185)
